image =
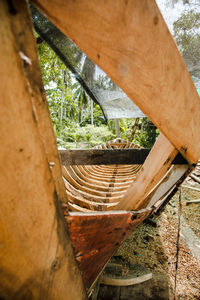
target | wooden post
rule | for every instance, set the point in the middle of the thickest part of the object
(157, 163)
(36, 257)
(134, 129)
(92, 119)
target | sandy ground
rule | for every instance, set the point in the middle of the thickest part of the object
(155, 246)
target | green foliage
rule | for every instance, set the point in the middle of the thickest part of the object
(90, 135)
(146, 136)
(68, 101)
(70, 108)
(125, 127)
(59, 89)
(98, 117)
(186, 33)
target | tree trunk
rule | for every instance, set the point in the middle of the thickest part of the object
(134, 129)
(117, 128)
(92, 120)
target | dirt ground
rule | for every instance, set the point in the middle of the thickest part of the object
(154, 246)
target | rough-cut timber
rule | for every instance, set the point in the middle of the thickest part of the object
(156, 165)
(36, 256)
(96, 236)
(105, 187)
(166, 184)
(108, 157)
(130, 41)
(102, 188)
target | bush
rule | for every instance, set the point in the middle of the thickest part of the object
(89, 134)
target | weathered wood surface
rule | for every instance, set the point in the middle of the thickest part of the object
(96, 236)
(196, 178)
(93, 184)
(156, 165)
(125, 281)
(132, 44)
(108, 183)
(167, 183)
(191, 187)
(193, 201)
(36, 256)
(28, 53)
(108, 156)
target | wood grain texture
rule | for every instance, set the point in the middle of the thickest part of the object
(95, 238)
(108, 157)
(36, 257)
(130, 41)
(167, 183)
(156, 165)
(22, 30)
(125, 282)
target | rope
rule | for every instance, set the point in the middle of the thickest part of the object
(178, 243)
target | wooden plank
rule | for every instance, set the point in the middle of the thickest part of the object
(27, 49)
(36, 257)
(173, 174)
(132, 44)
(153, 170)
(84, 195)
(88, 174)
(96, 237)
(93, 180)
(94, 193)
(193, 201)
(97, 185)
(191, 187)
(108, 157)
(167, 183)
(110, 177)
(127, 281)
(196, 178)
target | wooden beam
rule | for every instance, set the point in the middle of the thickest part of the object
(94, 184)
(167, 183)
(132, 44)
(108, 157)
(36, 256)
(153, 170)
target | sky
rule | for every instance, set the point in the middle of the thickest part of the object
(172, 12)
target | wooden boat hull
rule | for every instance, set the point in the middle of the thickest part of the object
(36, 255)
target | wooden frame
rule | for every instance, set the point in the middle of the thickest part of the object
(108, 156)
(36, 258)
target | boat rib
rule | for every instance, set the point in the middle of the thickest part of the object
(99, 187)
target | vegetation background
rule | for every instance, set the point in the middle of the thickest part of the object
(78, 122)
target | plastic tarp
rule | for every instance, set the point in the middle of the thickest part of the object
(113, 101)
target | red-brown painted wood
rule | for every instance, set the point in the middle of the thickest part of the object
(96, 236)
